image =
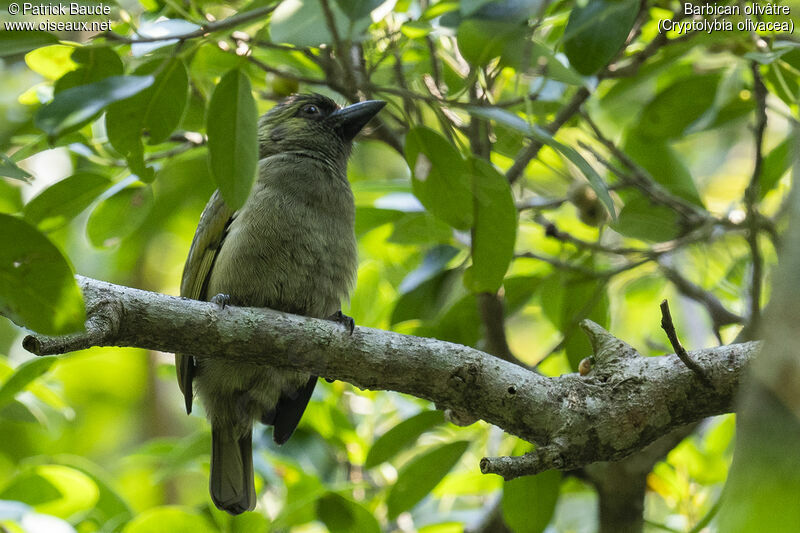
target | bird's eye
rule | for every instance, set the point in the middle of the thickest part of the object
(310, 109)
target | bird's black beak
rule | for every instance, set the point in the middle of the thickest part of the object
(349, 120)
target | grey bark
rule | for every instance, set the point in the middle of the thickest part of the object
(624, 403)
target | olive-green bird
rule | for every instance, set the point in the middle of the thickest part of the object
(291, 247)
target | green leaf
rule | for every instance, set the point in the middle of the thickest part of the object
(9, 169)
(530, 501)
(776, 164)
(342, 515)
(172, 519)
(94, 64)
(677, 107)
(517, 11)
(156, 111)
(566, 300)
(510, 120)
(18, 42)
(165, 101)
(74, 107)
(421, 475)
(10, 196)
(518, 292)
(55, 206)
(232, 143)
(533, 54)
(160, 29)
(781, 77)
(16, 411)
(402, 436)
(210, 63)
(52, 62)
(495, 228)
(334, 513)
(420, 228)
(596, 31)
(124, 130)
(583, 299)
(303, 23)
(357, 9)
(250, 523)
(460, 323)
(24, 374)
(53, 489)
(369, 218)
(110, 506)
(440, 179)
(414, 29)
(433, 264)
(468, 7)
(425, 301)
(438, 9)
(37, 287)
(119, 215)
(778, 49)
(664, 164)
(641, 219)
(480, 41)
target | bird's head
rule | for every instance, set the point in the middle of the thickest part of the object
(313, 124)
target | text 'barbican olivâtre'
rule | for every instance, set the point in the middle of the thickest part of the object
(734, 9)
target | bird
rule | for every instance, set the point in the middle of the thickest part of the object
(290, 247)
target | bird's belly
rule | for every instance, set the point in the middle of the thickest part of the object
(299, 270)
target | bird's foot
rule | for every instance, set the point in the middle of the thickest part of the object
(222, 300)
(344, 320)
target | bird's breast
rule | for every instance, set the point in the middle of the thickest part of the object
(285, 251)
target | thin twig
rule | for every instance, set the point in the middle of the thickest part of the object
(573, 106)
(204, 30)
(342, 51)
(540, 203)
(551, 230)
(641, 178)
(634, 62)
(720, 316)
(680, 351)
(492, 312)
(751, 195)
(530, 151)
(586, 272)
(301, 79)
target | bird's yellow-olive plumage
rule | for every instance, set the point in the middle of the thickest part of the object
(290, 247)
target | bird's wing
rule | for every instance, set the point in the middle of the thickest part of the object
(207, 241)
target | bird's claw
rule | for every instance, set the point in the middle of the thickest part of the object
(344, 320)
(222, 300)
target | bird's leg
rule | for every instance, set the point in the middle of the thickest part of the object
(221, 300)
(346, 321)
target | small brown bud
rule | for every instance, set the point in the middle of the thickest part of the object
(585, 366)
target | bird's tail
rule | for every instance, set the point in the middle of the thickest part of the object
(231, 480)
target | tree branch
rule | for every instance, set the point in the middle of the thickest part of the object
(751, 195)
(669, 328)
(230, 22)
(623, 404)
(621, 485)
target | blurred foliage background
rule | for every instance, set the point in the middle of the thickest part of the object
(538, 163)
